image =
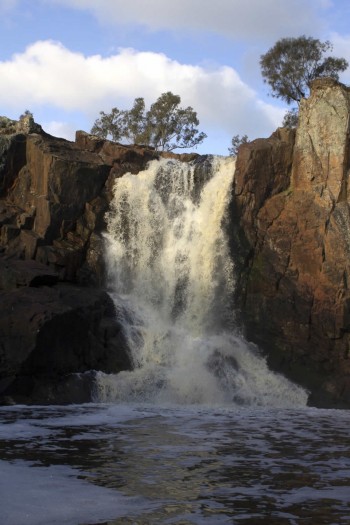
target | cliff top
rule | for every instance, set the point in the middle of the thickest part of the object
(25, 124)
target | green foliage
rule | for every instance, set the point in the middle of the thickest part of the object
(27, 113)
(236, 142)
(290, 119)
(170, 127)
(165, 126)
(135, 123)
(110, 125)
(6, 122)
(292, 63)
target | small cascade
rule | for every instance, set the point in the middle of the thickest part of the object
(172, 279)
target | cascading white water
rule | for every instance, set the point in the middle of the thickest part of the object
(171, 277)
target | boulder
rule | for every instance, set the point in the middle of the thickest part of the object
(49, 333)
(17, 273)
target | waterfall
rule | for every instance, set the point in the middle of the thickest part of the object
(172, 279)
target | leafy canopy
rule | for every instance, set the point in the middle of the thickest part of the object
(292, 63)
(165, 126)
(236, 142)
(290, 119)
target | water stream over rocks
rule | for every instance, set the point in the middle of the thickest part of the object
(172, 278)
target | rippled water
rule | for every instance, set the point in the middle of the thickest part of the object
(133, 464)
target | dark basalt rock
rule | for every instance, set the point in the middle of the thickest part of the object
(16, 273)
(49, 333)
(57, 324)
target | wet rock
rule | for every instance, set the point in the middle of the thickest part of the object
(47, 333)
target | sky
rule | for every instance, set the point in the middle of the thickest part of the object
(67, 60)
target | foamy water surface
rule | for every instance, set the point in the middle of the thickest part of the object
(142, 464)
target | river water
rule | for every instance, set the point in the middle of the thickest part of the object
(200, 431)
(146, 464)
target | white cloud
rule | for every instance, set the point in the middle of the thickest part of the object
(49, 75)
(268, 19)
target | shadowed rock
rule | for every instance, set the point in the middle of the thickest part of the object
(53, 198)
(48, 333)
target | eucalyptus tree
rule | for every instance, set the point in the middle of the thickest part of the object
(165, 126)
(236, 142)
(290, 66)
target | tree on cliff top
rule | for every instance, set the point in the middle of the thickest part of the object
(292, 63)
(165, 126)
(236, 142)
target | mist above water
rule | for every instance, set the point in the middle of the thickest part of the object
(172, 278)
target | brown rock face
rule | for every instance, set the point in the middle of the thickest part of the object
(292, 245)
(53, 198)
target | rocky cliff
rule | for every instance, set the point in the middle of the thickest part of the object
(56, 320)
(291, 237)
